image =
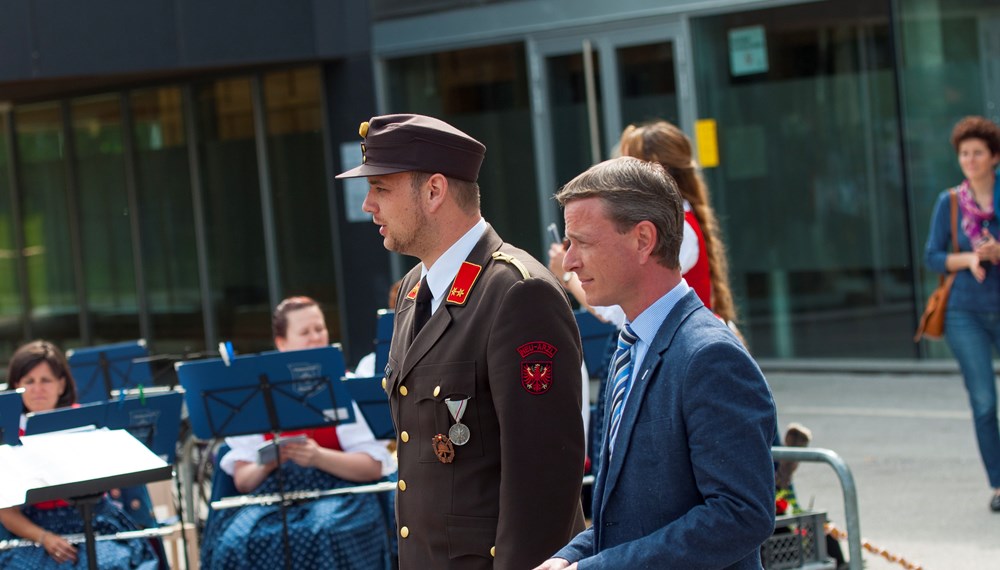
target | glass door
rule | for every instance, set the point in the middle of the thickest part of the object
(587, 87)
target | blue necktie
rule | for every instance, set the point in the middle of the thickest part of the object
(621, 379)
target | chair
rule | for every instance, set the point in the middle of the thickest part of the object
(383, 336)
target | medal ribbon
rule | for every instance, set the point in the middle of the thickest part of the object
(456, 408)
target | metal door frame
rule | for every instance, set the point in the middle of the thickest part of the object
(604, 41)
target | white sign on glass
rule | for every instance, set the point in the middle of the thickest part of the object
(747, 50)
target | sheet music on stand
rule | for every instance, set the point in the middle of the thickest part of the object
(266, 393)
(11, 404)
(63, 465)
(154, 420)
(98, 370)
(78, 467)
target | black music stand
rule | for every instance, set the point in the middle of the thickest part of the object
(99, 370)
(78, 467)
(373, 403)
(267, 393)
(11, 404)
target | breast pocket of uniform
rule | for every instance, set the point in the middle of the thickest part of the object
(438, 383)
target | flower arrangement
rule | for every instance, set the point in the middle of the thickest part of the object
(785, 503)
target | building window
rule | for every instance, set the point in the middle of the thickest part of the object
(234, 227)
(301, 206)
(484, 92)
(809, 187)
(169, 251)
(108, 268)
(46, 221)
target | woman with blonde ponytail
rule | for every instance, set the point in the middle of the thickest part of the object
(703, 255)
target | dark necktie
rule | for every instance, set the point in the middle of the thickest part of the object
(422, 307)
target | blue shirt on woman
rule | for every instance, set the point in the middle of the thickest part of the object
(966, 292)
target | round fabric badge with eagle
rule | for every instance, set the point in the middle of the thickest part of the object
(536, 366)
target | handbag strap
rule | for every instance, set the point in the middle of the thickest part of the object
(954, 219)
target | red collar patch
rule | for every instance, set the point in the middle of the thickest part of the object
(413, 292)
(462, 285)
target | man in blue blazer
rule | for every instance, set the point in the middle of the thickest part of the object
(686, 478)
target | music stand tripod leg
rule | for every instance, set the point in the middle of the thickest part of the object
(86, 505)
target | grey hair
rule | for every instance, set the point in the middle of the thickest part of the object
(633, 191)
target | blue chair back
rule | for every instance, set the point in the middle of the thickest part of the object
(383, 336)
(597, 337)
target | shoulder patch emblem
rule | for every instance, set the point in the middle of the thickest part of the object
(536, 366)
(462, 285)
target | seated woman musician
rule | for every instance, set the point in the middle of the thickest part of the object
(340, 531)
(41, 369)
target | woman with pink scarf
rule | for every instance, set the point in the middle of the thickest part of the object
(972, 322)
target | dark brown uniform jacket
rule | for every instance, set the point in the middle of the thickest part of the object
(511, 497)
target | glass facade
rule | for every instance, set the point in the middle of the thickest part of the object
(144, 212)
(76, 163)
(10, 290)
(809, 186)
(300, 204)
(232, 203)
(108, 271)
(169, 248)
(482, 91)
(50, 232)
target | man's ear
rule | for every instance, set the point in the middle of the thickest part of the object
(437, 186)
(645, 236)
(280, 342)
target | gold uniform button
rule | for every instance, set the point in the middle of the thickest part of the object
(401, 485)
(437, 390)
(493, 551)
(403, 391)
(404, 436)
(404, 532)
(383, 382)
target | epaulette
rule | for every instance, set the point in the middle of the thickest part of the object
(501, 256)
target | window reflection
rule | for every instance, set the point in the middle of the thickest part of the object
(809, 151)
(484, 92)
(108, 268)
(301, 208)
(234, 230)
(169, 251)
(10, 292)
(51, 287)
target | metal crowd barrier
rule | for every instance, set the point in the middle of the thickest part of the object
(850, 492)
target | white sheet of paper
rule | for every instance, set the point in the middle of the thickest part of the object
(67, 457)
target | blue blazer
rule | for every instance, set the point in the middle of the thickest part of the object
(691, 482)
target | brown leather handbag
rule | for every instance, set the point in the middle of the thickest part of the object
(931, 324)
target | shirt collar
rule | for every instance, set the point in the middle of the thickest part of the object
(442, 273)
(647, 323)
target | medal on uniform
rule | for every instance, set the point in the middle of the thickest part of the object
(458, 433)
(443, 449)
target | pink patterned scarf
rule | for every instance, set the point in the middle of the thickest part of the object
(974, 218)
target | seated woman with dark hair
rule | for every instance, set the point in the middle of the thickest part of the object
(41, 369)
(335, 532)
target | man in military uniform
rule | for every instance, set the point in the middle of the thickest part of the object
(484, 370)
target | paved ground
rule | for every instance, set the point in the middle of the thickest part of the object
(909, 442)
